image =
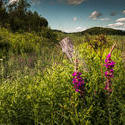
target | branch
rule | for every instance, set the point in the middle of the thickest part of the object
(112, 48)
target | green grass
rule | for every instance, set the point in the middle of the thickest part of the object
(36, 82)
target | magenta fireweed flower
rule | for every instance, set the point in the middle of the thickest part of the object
(78, 82)
(77, 90)
(111, 70)
(109, 64)
(74, 81)
(109, 55)
(74, 74)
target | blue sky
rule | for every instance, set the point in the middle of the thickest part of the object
(78, 15)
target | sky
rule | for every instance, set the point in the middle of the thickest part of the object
(78, 15)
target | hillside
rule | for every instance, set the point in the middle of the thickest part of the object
(101, 30)
(95, 31)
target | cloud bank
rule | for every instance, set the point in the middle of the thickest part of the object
(119, 24)
(12, 1)
(72, 2)
(104, 19)
(73, 30)
(120, 20)
(75, 2)
(95, 14)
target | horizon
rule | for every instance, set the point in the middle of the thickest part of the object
(78, 15)
(90, 28)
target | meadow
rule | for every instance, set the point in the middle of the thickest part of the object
(36, 80)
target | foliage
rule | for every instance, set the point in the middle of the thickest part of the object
(17, 16)
(36, 81)
(25, 42)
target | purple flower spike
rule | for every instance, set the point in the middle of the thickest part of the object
(78, 82)
(74, 74)
(109, 55)
(109, 64)
(79, 73)
(111, 70)
(77, 90)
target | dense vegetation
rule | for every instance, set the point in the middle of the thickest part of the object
(17, 16)
(36, 81)
(36, 77)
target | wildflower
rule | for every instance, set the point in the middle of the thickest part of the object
(109, 74)
(74, 74)
(78, 82)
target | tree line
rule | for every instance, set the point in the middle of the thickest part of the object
(17, 16)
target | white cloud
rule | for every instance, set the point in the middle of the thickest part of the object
(120, 20)
(77, 29)
(13, 1)
(72, 2)
(118, 25)
(75, 19)
(94, 15)
(123, 11)
(118, 28)
(104, 19)
(75, 2)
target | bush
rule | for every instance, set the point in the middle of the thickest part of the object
(36, 84)
(48, 97)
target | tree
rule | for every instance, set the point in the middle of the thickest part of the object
(19, 17)
(3, 13)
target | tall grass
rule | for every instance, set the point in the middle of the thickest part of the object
(36, 85)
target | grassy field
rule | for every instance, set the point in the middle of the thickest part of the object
(36, 81)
